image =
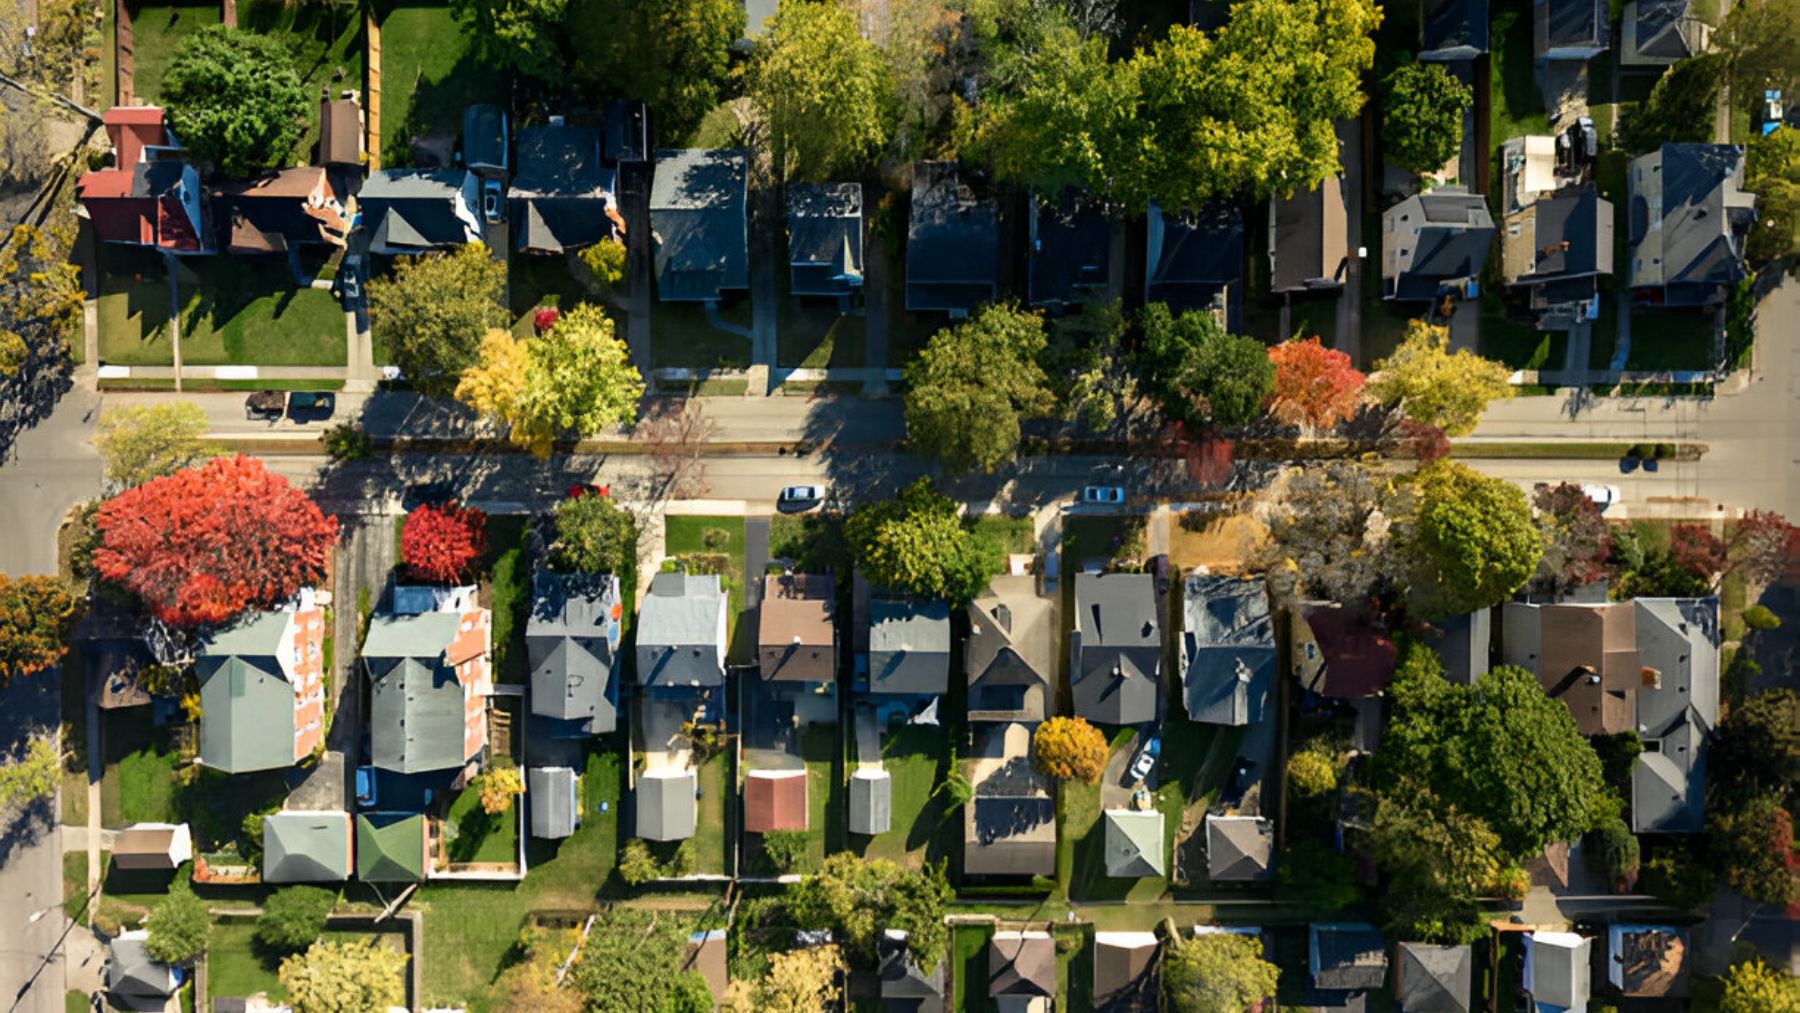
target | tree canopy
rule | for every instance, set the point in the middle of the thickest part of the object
(332, 977)
(673, 54)
(1422, 123)
(1059, 123)
(1315, 386)
(1069, 749)
(1202, 374)
(593, 534)
(1471, 540)
(798, 981)
(823, 90)
(1752, 986)
(631, 964)
(142, 442)
(1772, 173)
(858, 898)
(442, 544)
(36, 614)
(1577, 540)
(1221, 972)
(972, 385)
(179, 926)
(293, 917)
(40, 300)
(917, 544)
(1436, 859)
(434, 310)
(1756, 750)
(33, 774)
(235, 100)
(1753, 842)
(522, 35)
(1436, 387)
(577, 377)
(1329, 534)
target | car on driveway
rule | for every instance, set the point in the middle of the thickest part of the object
(800, 498)
(365, 788)
(1145, 761)
(1104, 495)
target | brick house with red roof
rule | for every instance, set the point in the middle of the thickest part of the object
(151, 196)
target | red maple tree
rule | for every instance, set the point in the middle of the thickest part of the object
(205, 543)
(442, 543)
(1314, 385)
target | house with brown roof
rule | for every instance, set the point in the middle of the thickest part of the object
(796, 633)
(1583, 654)
(1647, 961)
(161, 847)
(279, 212)
(1010, 656)
(1126, 972)
(341, 131)
(1022, 971)
(774, 800)
(1338, 652)
(151, 194)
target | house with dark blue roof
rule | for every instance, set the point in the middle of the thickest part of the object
(1689, 217)
(562, 196)
(1453, 30)
(485, 140)
(1071, 250)
(1556, 248)
(1432, 241)
(699, 224)
(1659, 33)
(952, 243)
(1192, 260)
(412, 211)
(1570, 29)
(825, 238)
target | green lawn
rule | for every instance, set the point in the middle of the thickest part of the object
(1081, 844)
(75, 885)
(1516, 108)
(913, 756)
(157, 32)
(139, 783)
(1670, 339)
(327, 45)
(1099, 537)
(713, 833)
(825, 801)
(476, 836)
(235, 310)
(1014, 534)
(236, 965)
(682, 336)
(535, 280)
(509, 594)
(428, 77)
(812, 334)
(1074, 966)
(721, 537)
(969, 968)
(1518, 345)
(814, 543)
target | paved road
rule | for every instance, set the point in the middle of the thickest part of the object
(30, 866)
(49, 469)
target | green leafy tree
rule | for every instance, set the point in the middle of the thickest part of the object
(1680, 108)
(1436, 859)
(593, 535)
(606, 259)
(1759, 42)
(344, 978)
(40, 299)
(785, 849)
(523, 35)
(235, 100)
(858, 898)
(1059, 125)
(433, 311)
(823, 90)
(1772, 173)
(637, 865)
(1613, 850)
(142, 442)
(36, 614)
(1754, 843)
(972, 385)
(1422, 124)
(916, 543)
(1472, 540)
(1754, 987)
(1679, 878)
(1499, 750)
(33, 774)
(673, 54)
(1202, 374)
(1435, 387)
(1756, 750)
(1221, 972)
(293, 917)
(631, 964)
(178, 926)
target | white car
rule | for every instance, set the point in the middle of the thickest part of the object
(800, 497)
(1602, 495)
(1109, 495)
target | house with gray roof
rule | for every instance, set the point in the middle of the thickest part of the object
(1556, 247)
(1116, 668)
(262, 691)
(1070, 257)
(1134, 843)
(1010, 835)
(1570, 29)
(1557, 971)
(554, 803)
(571, 645)
(485, 140)
(909, 646)
(1434, 979)
(871, 801)
(1453, 30)
(1227, 649)
(1434, 240)
(306, 847)
(681, 632)
(1689, 218)
(412, 211)
(429, 680)
(1239, 849)
(1309, 235)
(1010, 656)
(1194, 260)
(134, 978)
(699, 223)
(1677, 708)
(561, 198)
(1661, 33)
(825, 238)
(1345, 957)
(666, 807)
(952, 243)
(905, 986)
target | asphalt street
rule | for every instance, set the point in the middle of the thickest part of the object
(49, 469)
(31, 919)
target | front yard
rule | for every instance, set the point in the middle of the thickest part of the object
(715, 545)
(682, 336)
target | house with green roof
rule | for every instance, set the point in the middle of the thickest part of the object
(262, 691)
(1134, 843)
(429, 675)
(306, 847)
(391, 847)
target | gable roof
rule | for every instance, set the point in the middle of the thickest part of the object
(156, 203)
(1647, 961)
(1227, 648)
(306, 847)
(1134, 843)
(1570, 24)
(1563, 235)
(952, 242)
(417, 708)
(340, 132)
(904, 985)
(1239, 849)
(1354, 659)
(1010, 653)
(871, 801)
(1071, 249)
(1556, 969)
(419, 209)
(1434, 979)
(774, 800)
(1192, 257)
(1464, 644)
(1662, 31)
(554, 803)
(909, 645)
(681, 631)
(825, 238)
(1118, 648)
(484, 136)
(278, 210)
(560, 197)
(1125, 971)
(246, 700)
(796, 634)
(131, 972)
(1454, 30)
(1431, 239)
(159, 846)
(570, 640)
(1689, 216)
(698, 223)
(665, 804)
(390, 847)
(1677, 707)
(1584, 655)
(1309, 235)
(1021, 963)
(1345, 956)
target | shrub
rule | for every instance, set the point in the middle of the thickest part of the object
(1679, 879)
(1313, 770)
(786, 848)
(1641, 450)
(443, 543)
(1758, 617)
(637, 865)
(498, 787)
(593, 535)
(178, 927)
(347, 441)
(294, 917)
(1665, 451)
(1614, 855)
(607, 260)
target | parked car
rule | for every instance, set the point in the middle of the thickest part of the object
(428, 494)
(270, 405)
(365, 787)
(305, 405)
(1602, 495)
(1145, 761)
(1108, 495)
(491, 205)
(588, 489)
(800, 498)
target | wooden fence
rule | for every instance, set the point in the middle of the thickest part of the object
(372, 94)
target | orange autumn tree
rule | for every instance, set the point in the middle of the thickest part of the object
(205, 543)
(1070, 749)
(442, 544)
(1315, 386)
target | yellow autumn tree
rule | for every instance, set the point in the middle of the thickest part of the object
(575, 378)
(799, 981)
(492, 385)
(1437, 387)
(498, 787)
(344, 978)
(1070, 749)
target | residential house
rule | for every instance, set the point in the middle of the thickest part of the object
(1570, 29)
(484, 138)
(666, 806)
(392, 847)
(909, 652)
(1677, 707)
(1227, 649)
(1689, 218)
(1434, 241)
(1239, 849)
(1465, 645)
(156, 847)
(1010, 656)
(280, 212)
(1309, 235)
(1116, 647)
(1557, 971)
(262, 691)
(1647, 961)
(135, 979)
(1346, 960)
(905, 986)
(797, 632)
(825, 238)
(1134, 843)
(1660, 33)
(430, 677)
(571, 647)
(699, 224)
(952, 243)
(1126, 978)
(302, 846)
(341, 132)
(1022, 971)
(1009, 835)
(871, 801)
(561, 197)
(412, 211)
(775, 800)
(1584, 655)
(1434, 979)
(555, 801)
(1453, 30)
(1071, 250)
(1338, 652)
(151, 195)
(1558, 237)
(1195, 260)
(681, 633)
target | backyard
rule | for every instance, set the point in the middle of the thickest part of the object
(237, 966)
(472, 834)
(922, 830)
(428, 77)
(969, 968)
(1081, 842)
